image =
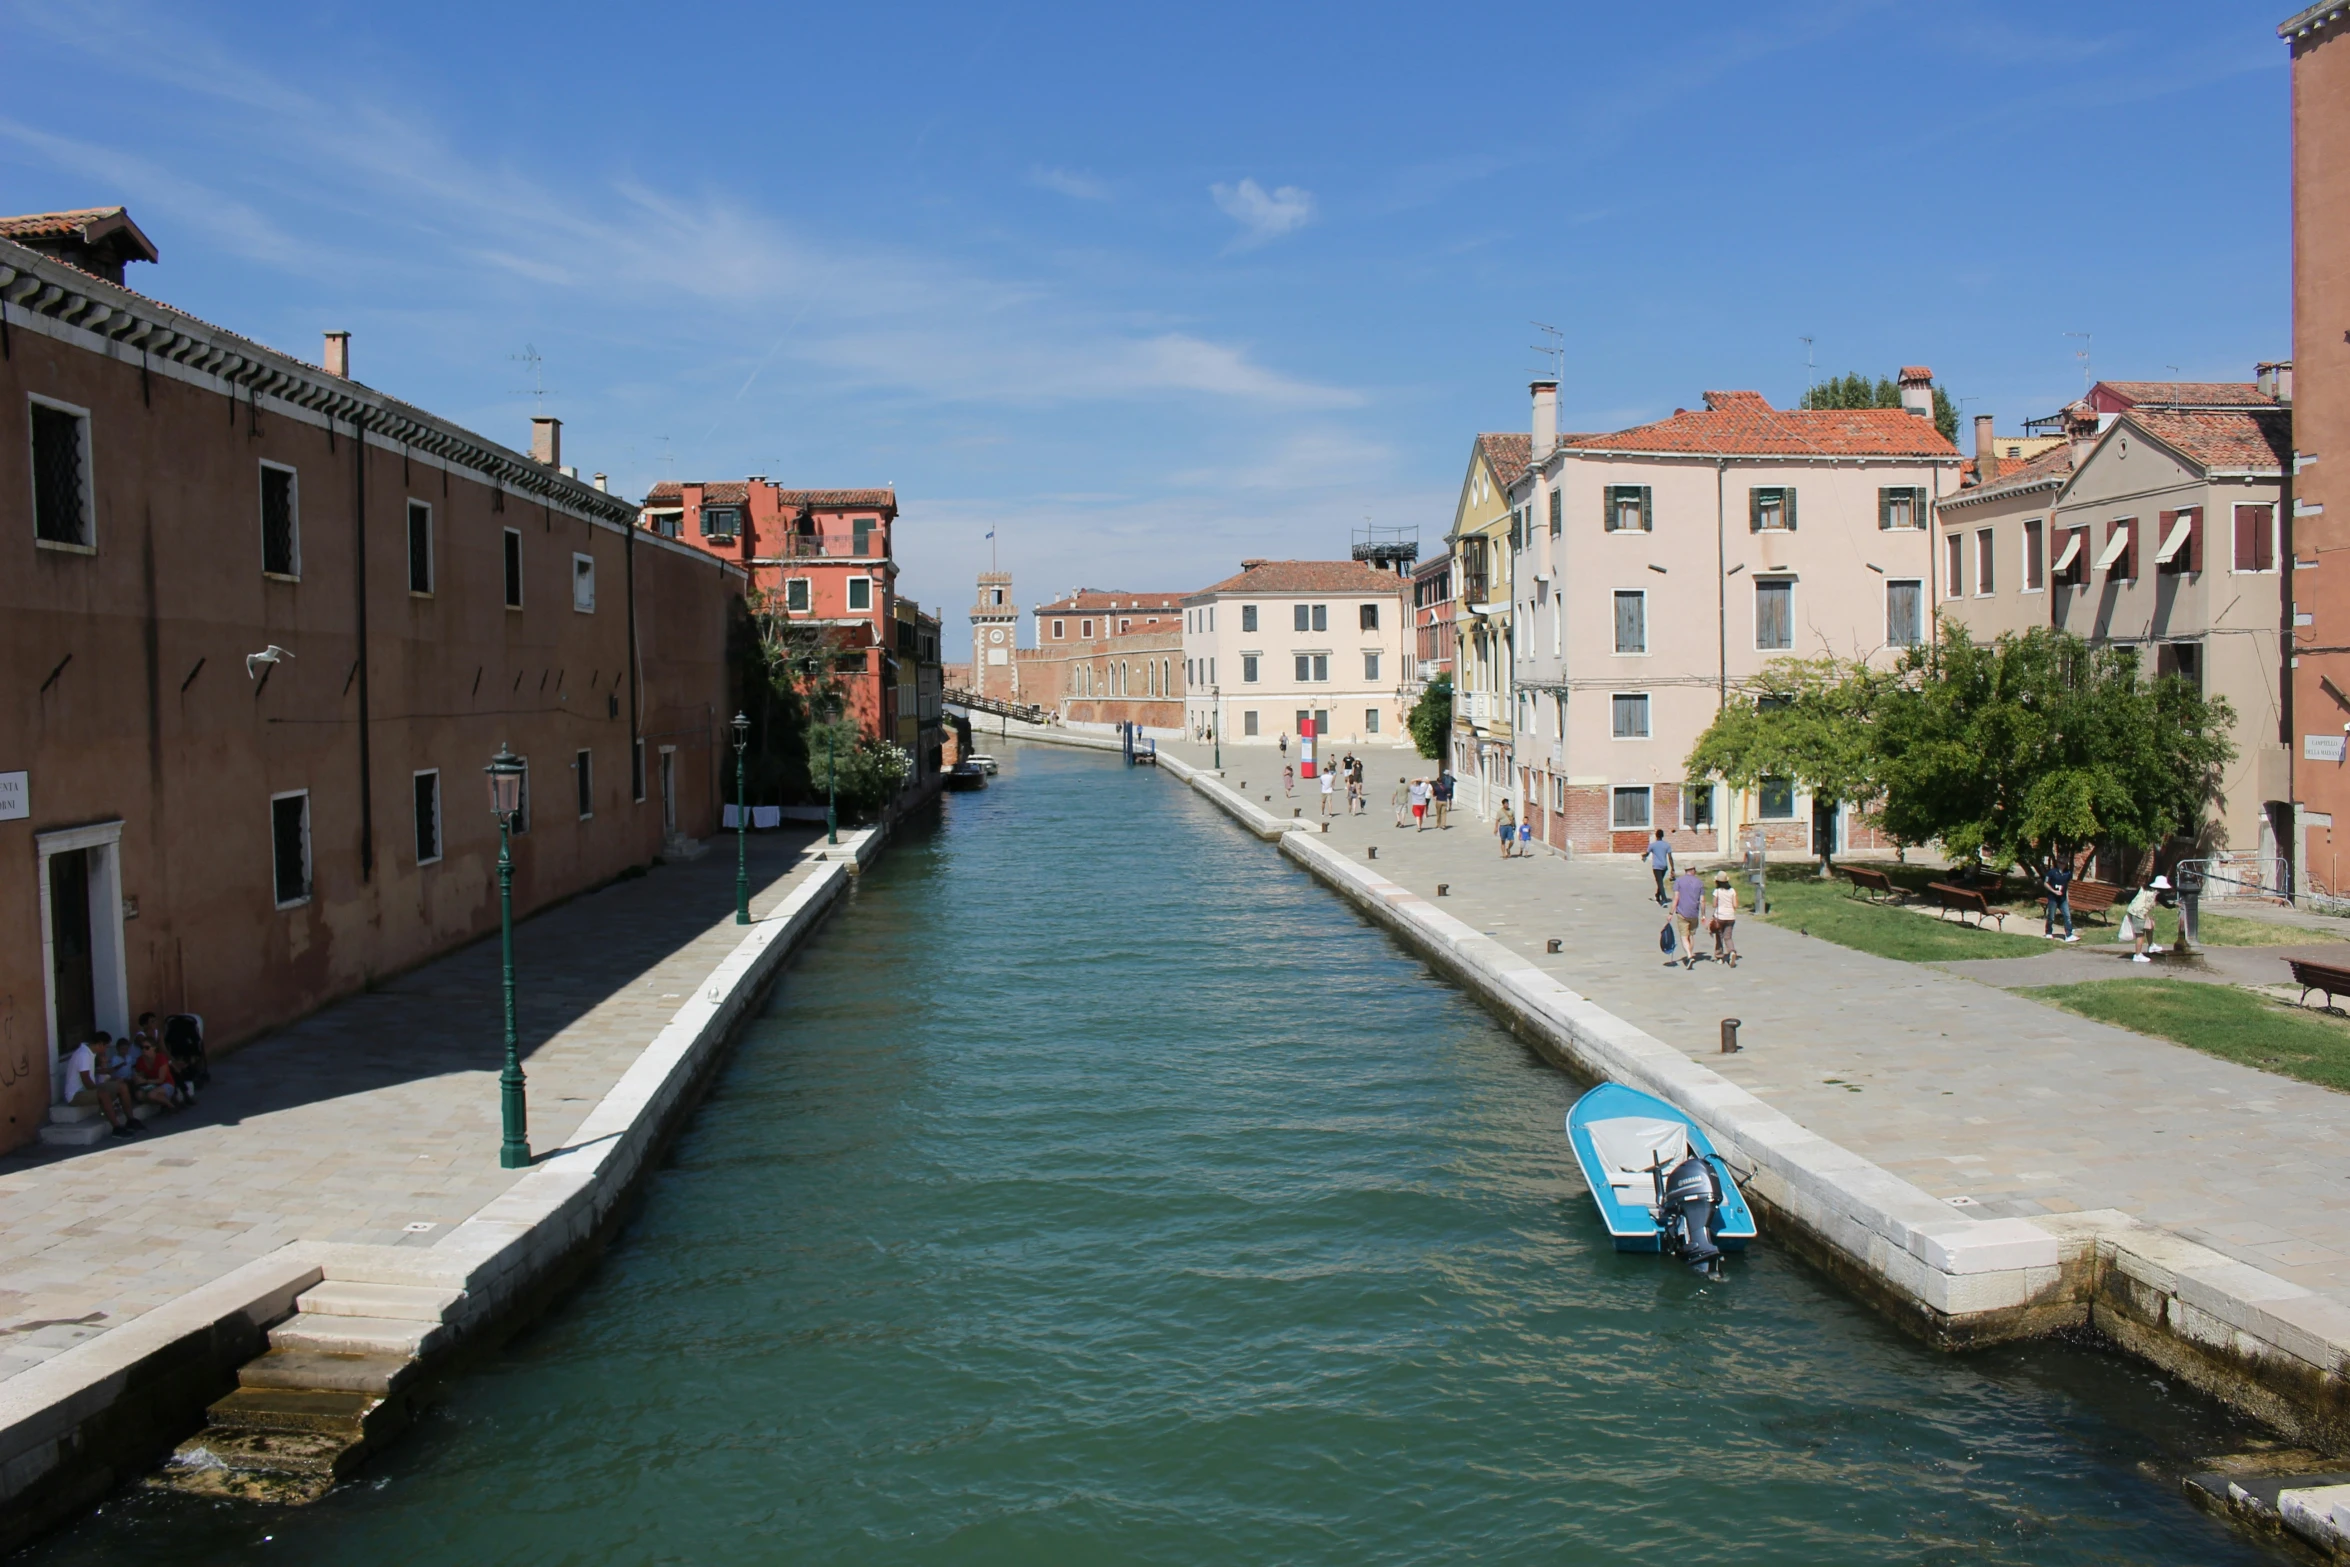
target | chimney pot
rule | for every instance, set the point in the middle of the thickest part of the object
(599, 482)
(1546, 417)
(1986, 450)
(1917, 391)
(338, 354)
(546, 441)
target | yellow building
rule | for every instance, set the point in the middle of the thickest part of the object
(1480, 544)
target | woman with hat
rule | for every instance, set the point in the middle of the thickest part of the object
(2142, 918)
(1725, 920)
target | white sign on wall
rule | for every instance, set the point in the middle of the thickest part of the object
(16, 796)
(2322, 748)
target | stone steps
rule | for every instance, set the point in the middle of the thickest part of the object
(310, 1370)
(333, 1334)
(84, 1126)
(288, 1445)
(357, 1298)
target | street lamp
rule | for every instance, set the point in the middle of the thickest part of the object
(1216, 722)
(831, 775)
(742, 823)
(505, 774)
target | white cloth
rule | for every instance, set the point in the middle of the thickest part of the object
(766, 816)
(730, 816)
(1629, 1146)
(83, 1060)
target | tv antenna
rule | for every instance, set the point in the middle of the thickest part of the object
(1553, 347)
(2082, 354)
(1811, 374)
(537, 390)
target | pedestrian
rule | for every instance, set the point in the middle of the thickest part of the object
(1440, 796)
(1660, 863)
(87, 1082)
(1284, 742)
(1354, 792)
(1688, 899)
(1418, 795)
(2057, 881)
(1725, 920)
(1329, 782)
(1402, 800)
(1526, 835)
(1507, 827)
(2142, 918)
(1288, 780)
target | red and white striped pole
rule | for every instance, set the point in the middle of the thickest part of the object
(1305, 748)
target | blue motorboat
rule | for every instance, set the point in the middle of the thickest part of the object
(1656, 1178)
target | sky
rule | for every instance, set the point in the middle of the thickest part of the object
(1145, 290)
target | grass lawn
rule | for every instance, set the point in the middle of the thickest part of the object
(2232, 930)
(2220, 1020)
(1830, 912)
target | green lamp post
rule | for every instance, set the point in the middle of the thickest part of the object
(1216, 722)
(505, 777)
(831, 776)
(742, 824)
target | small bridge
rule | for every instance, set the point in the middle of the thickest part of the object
(1026, 712)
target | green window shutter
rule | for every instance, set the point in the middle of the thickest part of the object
(1754, 511)
(1884, 509)
(1787, 506)
(1607, 508)
(1647, 510)
(1558, 512)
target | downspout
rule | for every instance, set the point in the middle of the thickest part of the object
(1721, 585)
(359, 583)
(638, 785)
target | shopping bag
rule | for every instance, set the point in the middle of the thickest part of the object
(1664, 939)
(2128, 932)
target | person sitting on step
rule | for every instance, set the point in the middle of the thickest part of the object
(89, 1081)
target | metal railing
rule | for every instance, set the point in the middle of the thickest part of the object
(830, 546)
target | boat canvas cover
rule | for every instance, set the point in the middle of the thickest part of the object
(1628, 1146)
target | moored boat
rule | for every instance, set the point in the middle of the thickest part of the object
(1655, 1177)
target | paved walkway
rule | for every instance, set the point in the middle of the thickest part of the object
(373, 1121)
(1976, 1095)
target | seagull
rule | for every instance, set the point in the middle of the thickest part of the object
(268, 655)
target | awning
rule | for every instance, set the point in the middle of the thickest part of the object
(2113, 549)
(2072, 548)
(2177, 541)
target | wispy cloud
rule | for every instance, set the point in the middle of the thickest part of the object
(1070, 182)
(1263, 215)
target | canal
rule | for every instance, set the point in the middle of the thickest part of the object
(1098, 1189)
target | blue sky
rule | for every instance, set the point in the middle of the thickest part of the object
(1151, 290)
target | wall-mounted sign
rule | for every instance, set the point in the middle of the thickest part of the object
(2323, 748)
(16, 797)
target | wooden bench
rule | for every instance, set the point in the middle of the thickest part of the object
(1876, 884)
(1963, 901)
(2322, 977)
(2090, 897)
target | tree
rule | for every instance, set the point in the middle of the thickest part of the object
(1811, 722)
(2041, 743)
(1430, 719)
(1858, 391)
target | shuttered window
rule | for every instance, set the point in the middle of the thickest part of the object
(1632, 622)
(2256, 538)
(1901, 506)
(1558, 513)
(1631, 716)
(1626, 508)
(1904, 612)
(1770, 510)
(1774, 615)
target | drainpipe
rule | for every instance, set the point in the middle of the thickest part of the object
(1721, 584)
(359, 586)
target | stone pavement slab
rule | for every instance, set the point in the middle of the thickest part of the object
(375, 1120)
(1978, 1096)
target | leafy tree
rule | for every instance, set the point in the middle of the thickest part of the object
(1430, 719)
(1811, 722)
(1858, 391)
(2042, 743)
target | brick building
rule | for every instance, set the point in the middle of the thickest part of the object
(1434, 637)
(265, 626)
(1102, 656)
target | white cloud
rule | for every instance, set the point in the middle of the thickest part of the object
(1263, 216)
(1069, 182)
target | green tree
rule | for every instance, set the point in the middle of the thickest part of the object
(1811, 722)
(1430, 719)
(1858, 391)
(2042, 742)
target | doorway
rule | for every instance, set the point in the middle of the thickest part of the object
(81, 935)
(1823, 828)
(668, 792)
(73, 985)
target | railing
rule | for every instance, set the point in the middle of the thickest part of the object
(829, 546)
(1026, 712)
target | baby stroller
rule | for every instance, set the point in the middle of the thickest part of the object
(183, 1041)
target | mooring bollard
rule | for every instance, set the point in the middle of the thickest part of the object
(1730, 1046)
(1552, 945)
(1442, 888)
(1296, 812)
(1372, 851)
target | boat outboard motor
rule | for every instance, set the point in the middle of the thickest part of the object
(1691, 1194)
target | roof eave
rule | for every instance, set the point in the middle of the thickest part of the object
(2311, 18)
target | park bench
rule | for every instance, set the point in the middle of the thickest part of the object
(1876, 884)
(1963, 901)
(2093, 897)
(2323, 977)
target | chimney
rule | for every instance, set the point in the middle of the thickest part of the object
(338, 354)
(2081, 426)
(1986, 450)
(546, 441)
(1917, 391)
(2275, 380)
(599, 482)
(1546, 417)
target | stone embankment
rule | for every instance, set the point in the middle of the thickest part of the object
(2271, 1347)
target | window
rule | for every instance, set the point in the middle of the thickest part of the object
(1954, 566)
(1901, 506)
(1632, 621)
(1370, 720)
(428, 817)
(2072, 565)
(1125, 626)
(1626, 508)
(281, 533)
(289, 842)
(1558, 792)
(860, 592)
(1770, 510)
(720, 522)
(584, 765)
(2178, 541)
(1697, 804)
(1370, 617)
(1774, 614)
(1558, 512)
(2119, 559)
(420, 549)
(1248, 617)
(1060, 629)
(1248, 721)
(2256, 538)
(1085, 630)
(1629, 808)
(2035, 556)
(862, 536)
(1985, 544)
(1774, 800)
(636, 772)
(798, 594)
(1300, 618)
(513, 568)
(1904, 612)
(61, 474)
(1312, 667)
(583, 584)
(1248, 669)
(1631, 716)
(1371, 666)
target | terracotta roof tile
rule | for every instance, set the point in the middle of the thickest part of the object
(1098, 599)
(671, 493)
(1507, 452)
(1305, 576)
(1915, 373)
(2189, 394)
(88, 224)
(2015, 475)
(1744, 424)
(2262, 441)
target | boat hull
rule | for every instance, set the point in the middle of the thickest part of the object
(1614, 1131)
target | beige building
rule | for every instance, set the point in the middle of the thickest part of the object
(1480, 540)
(1993, 550)
(1288, 640)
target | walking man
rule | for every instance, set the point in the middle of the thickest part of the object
(1660, 863)
(1440, 796)
(1507, 827)
(1404, 795)
(1688, 898)
(2057, 879)
(1329, 783)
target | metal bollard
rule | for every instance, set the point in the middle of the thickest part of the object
(1295, 812)
(1730, 1045)
(1552, 945)
(1372, 851)
(1443, 888)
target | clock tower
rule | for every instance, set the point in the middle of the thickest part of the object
(995, 632)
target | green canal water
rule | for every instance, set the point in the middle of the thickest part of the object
(1097, 1189)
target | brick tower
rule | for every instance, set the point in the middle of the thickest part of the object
(995, 632)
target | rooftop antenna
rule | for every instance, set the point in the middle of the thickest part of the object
(668, 461)
(2082, 354)
(538, 376)
(1553, 347)
(1811, 374)
(2173, 369)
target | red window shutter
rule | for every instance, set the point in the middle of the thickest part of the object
(2194, 516)
(2162, 527)
(2264, 538)
(2246, 537)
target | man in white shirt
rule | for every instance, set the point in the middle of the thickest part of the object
(88, 1082)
